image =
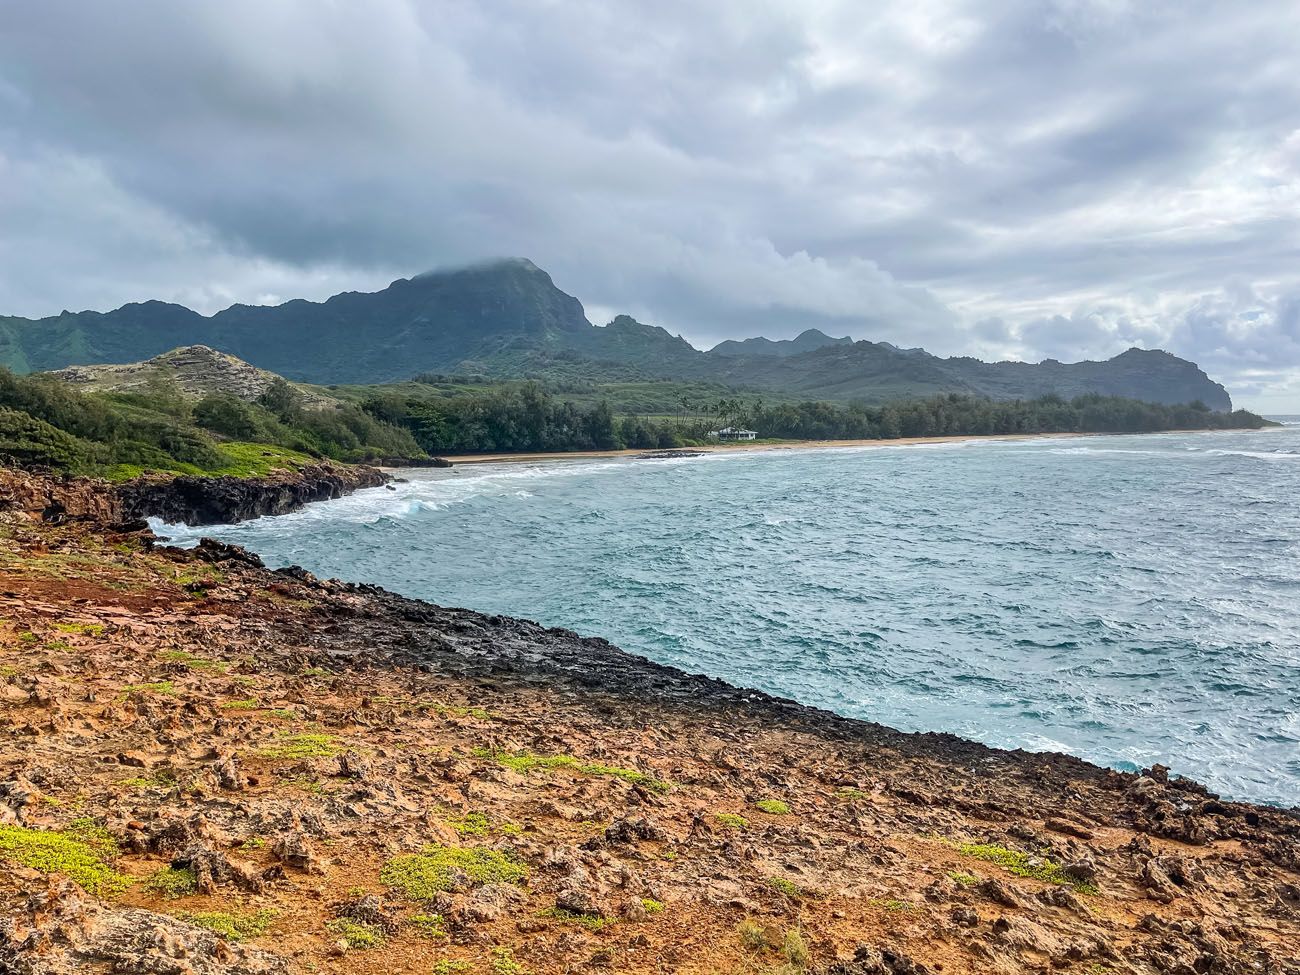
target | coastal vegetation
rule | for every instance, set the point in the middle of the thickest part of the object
(525, 417)
(49, 423)
(45, 422)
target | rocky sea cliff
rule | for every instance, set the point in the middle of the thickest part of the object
(210, 767)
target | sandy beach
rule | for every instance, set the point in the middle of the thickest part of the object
(459, 459)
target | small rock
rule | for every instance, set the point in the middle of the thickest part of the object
(294, 849)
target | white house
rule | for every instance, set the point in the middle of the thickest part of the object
(732, 433)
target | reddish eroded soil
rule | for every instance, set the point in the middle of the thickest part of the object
(278, 740)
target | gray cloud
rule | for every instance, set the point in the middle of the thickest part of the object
(1008, 179)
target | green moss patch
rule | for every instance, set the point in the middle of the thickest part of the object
(592, 922)
(232, 926)
(189, 659)
(731, 821)
(173, 882)
(162, 779)
(427, 925)
(302, 746)
(84, 629)
(525, 762)
(480, 824)
(787, 887)
(849, 794)
(165, 687)
(422, 876)
(82, 852)
(773, 807)
(503, 962)
(445, 710)
(247, 704)
(357, 934)
(1024, 865)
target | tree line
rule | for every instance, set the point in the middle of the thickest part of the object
(525, 417)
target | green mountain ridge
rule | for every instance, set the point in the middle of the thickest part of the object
(507, 320)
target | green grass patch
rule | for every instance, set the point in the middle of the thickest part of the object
(503, 962)
(82, 852)
(232, 926)
(453, 710)
(84, 629)
(731, 821)
(422, 876)
(247, 704)
(305, 783)
(962, 879)
(449, 966)
(161, 779)
(164, 687)
(357, 934)
(787, 887)
(652, 906)
(480, 824)
(191, 660)
(893, 905)
(1024, 865)
(773, 807)
(850, 794)
(427, 925)
(525, 762)
(173, 882)
(307, 745)
(592, 922)
(751, 934)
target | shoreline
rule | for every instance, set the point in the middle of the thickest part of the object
(466, 459)
(463, 460)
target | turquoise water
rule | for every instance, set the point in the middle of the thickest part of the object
(1126, 599)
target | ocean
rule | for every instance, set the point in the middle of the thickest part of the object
(1126, 599)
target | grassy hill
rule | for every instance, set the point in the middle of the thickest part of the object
(48, 422)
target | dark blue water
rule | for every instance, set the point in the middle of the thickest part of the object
(1126, 599)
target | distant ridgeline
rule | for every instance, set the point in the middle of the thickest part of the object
(507, 320)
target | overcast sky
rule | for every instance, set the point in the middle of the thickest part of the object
(1061, 178)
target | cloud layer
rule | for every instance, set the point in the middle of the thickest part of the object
(1020, 179)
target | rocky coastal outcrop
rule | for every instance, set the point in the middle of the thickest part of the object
(245, 771)
(181, 499)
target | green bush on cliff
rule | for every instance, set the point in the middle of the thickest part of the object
(30, 442)
(45, 422)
